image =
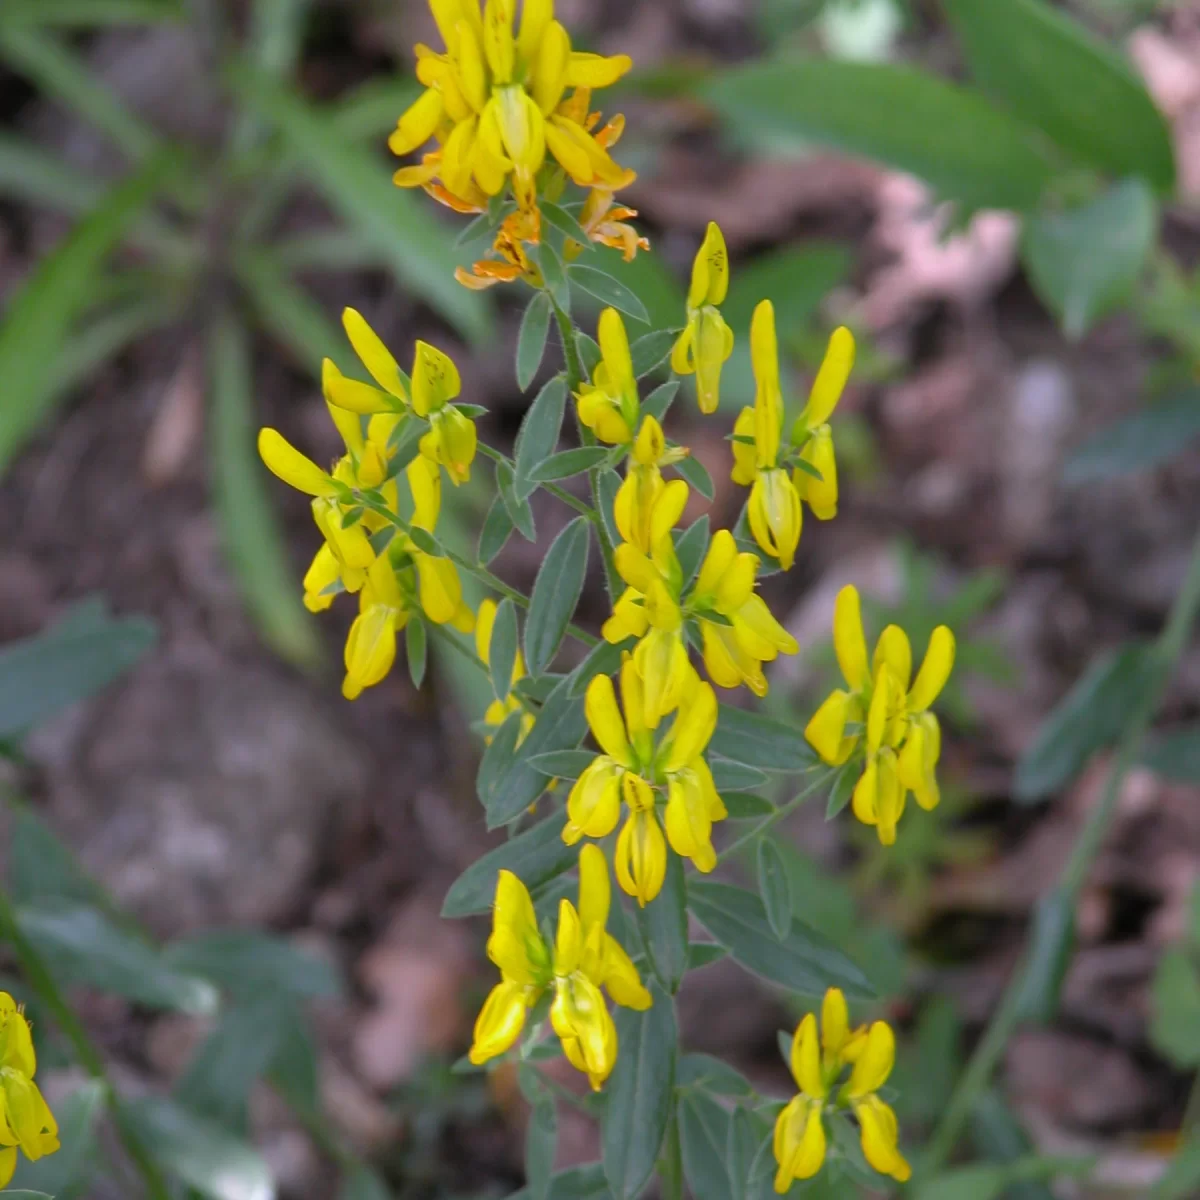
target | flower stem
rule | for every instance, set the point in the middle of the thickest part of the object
(575, 381)
(1164, 654)
(580, 506)
(782, 811)
(85, 1049)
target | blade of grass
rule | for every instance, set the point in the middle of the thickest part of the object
(289, 314)
(328, 249)
(406, 236)
(274, 43)
(253, 538)
(40, 316)
(372, 108)
(90, 13)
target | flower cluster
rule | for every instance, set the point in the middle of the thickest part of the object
(507, 103)
(817, 1063)
(883, 715)
(26, 1122)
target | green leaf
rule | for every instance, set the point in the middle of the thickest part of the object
(502, 650)
(843, 789)
(568, 463)
(415, 647)
(39, 315)
(1067, 84)
(200, 1153)
(416, 247)
(651, 351)
(538, 434)
(531, 339)
(1174, 755)
(518, 508)
(797, 278)
(659, 401)
(67, 1172)
(704, 1135)
(563, 764)
(1051, 942)
(747, 1132)
(775, 887)
(564, 221)
(89, 13)
(749, 737)
(497, 529)
(220, 1075)
(499, 755)
(1175, 1009)
(1156, 433)
(81, 946)
(608, 291)
(704, 954)
(42, 868)
(1182, 1178)
(746, 806)
(248, 963)
(589, 352)
(1089, 717)
(980, 1182)
(556, 592)
(541, 1134)
(663, 926)
(252, 534)
(1084, 263)
(735, 776)
(697, 476)
(981, 156)
(362, 1183)
(803, 962)
(536, 856)
(552, 272)
(713, 1075)
(575, 1183)
(639, 1092)
(43, 674)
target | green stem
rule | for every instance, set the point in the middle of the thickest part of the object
(1165, 653)
(85, 1049)
(580, 506)
(766, 823)
(565, 1094)
(671, 1166)
(575, 381)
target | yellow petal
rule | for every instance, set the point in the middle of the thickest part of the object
(681, 352)
(596, 70)
(633, 700)
(806, 1059)
(435, 379)
(775, 515)
(880, 1135)
(484, 620)
(323, 572)
(549, 76)
(614, 348)
(536, 16)
(8, 1164)
(472, 73)
(875, 1063)
(849, 642)
(350, 394)
(764, 352)
(498, 43)
(799, 1143)
(835, 1023)
(604, 718)
(370, 649)
(825, 731)
(522, 127)
(621, 979)
(866, 794)
(662, 662)
(580, 1015)
(745, 459)
(641, 857)
(713, 345)
(418, 123)
(694, 726)
(439, 587)
(375, 356)
(457, 439)
(17, 1040)
(595, 891)
(689, 826)
(296, 469)
(571, 155)
(425, 483)
(935, 670)
(710, 269)
(568, 942)
(594, 802)
(650, 444)
(721, 555)
(499, 1023)
(821, 495)
(831, 378)
(893, 651)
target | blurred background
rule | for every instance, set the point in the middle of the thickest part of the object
(189, 195)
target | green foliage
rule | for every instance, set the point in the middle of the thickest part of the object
(663, 926)
(1089, 717)
(761, 742)
(531, 338)
(556, 593)
(1175, 996)
(1161, 429)
(1174, 755)
(67, 1173)
(1084, 263)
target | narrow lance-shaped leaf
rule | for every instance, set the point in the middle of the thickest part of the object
(556, 592)
(663, 927)
(774, 884)
(531, 339)
(538, 434)
(502, 650)
(608, 290)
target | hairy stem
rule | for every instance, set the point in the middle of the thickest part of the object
(88, 1055)
(1165, 652)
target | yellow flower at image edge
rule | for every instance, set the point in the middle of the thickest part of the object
(585, 959)
(817, 1062)
(26, 1122)
(495, 103)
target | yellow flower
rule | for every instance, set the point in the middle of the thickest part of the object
(495, 103)
(609, 404)
(816, 1064)
(606, 223)
(585, 959)
(637, 768)
(902, 741)
(738, 631)
(400, 582)
(774, 508)
(707, 341)
(499, 710)
(518, 229)
(646, 507)
(451, 438)
(811, 433)
(26, 1122)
